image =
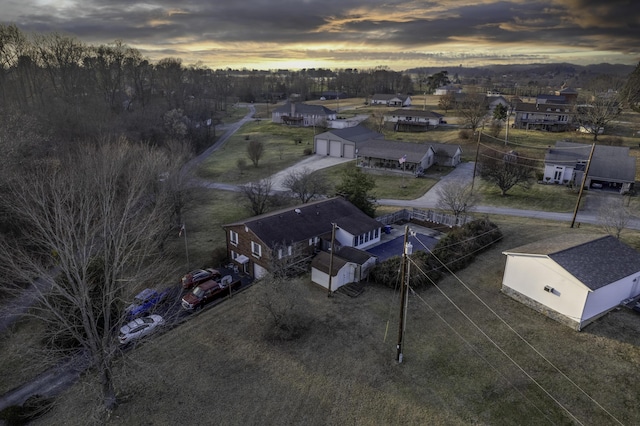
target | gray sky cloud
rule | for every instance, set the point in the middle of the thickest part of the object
(347, 33)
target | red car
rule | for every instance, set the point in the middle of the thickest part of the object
(208, 291)
(198, 276)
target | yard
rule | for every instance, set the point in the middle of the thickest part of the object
(472, 356)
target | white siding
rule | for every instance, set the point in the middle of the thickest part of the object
(349, 151)
(529, 275)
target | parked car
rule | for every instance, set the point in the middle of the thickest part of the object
(139, 327)
(209, 291)
(198, 276)
(145, 302)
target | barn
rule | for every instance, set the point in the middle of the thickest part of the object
(574, 279)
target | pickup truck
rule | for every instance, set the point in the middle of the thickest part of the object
(145, 302)
(208, 291)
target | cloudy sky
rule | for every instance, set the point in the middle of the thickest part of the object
(399, 34)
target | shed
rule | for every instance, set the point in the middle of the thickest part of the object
(573, 279)
(349, 265)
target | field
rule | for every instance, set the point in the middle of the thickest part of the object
(472, 356)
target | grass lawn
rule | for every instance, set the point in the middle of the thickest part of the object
(219, 369)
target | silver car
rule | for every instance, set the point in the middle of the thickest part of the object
(139, 327)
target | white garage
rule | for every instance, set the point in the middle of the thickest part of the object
(342, 142)
(321, 146)
(574, 279)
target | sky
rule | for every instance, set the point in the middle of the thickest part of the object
(335, 34)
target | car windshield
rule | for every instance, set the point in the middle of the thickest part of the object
(198, 292)
(147, 320)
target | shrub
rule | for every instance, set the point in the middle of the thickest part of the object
(308, 151)
(464, 134)
(456, 250)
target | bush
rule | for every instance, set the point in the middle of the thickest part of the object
(464, 134)
(456, 250)
(308, 151)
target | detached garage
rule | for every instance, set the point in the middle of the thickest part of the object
(342, 142)
(349, 265)
(573, 279)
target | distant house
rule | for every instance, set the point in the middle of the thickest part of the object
(569, 94)
(396, 156)
(413, 120)
(348, 265)
(301, 114)
(333, 94)
(342, 142)
(391, 100)
(573, 279)
(294, 235)
(449, 88)
(612, 167)
(494, 101)
(543, 116)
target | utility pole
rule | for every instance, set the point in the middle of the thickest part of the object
(183, 230)
(584, 180)
(404, 291)
(333, 239)
(475, 164)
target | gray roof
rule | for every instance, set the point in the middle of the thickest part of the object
(594, 260)
(393, 150)
(355, 133)
(385, 97)
(445, 148)
(543, 107)
(304, 109)
(415, 113)
(341, 257)
(308, 220)
(609, 162)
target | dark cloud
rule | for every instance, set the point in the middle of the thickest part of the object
(372, 30)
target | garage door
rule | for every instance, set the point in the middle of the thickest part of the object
(321, 146)
(349, 151)
(258, 271)
(336, 149)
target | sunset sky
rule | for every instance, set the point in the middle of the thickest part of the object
(294, 34)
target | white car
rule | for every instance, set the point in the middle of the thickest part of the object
(139, 328)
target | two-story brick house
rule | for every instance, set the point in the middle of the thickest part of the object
(296, 234)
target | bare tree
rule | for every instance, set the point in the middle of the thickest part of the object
(456, 197)
(630, 93)
(506, 170)
(447, 101)
(614, 217)
(284, 303)
(90, 222)
(255, 150)
(306, 185)
(595, 115)
(258, 194)
(473, 110)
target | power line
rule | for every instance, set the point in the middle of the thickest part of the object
(517, 334)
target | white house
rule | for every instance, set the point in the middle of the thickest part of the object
(347, 266)
(405, 119)
(391, 100)
(574, 279)
(612, 167)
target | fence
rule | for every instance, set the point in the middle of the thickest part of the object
(424, 216)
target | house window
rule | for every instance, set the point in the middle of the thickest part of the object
(376, 233)
(360, 239)
(233, 255)
(256, 249)
(233, 237)
(366, 237)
